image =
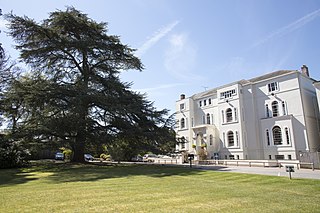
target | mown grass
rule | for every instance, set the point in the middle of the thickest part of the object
(143, 188)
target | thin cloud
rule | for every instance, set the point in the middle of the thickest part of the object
(180, 57)
(155, 38)
(289, 28)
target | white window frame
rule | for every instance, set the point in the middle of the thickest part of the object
(275, 108)
(182, 106)
(233, 138)
(184, 123)
(228, 94)
(268, 137)
(208, 118)
(274, 136)
(287, 135)
(273, 87)
(284, 108)
(229, 115)
(267, 111)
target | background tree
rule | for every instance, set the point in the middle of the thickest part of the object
(12, 152)
(74, 92)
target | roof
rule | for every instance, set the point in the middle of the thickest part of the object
(271, 75)
(245, 82)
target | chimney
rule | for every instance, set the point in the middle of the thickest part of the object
(182, 96)
(305, 70)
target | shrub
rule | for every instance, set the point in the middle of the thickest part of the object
(203, 145)
(105, 156)
(202, 153)
(12, 154)
(67, 154)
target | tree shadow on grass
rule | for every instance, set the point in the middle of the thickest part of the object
(70, 172)
(15, 176)
(76, 173)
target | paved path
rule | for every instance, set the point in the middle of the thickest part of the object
(274, 171)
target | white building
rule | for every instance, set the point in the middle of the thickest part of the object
(274, 116)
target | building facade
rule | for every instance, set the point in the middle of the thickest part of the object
(274, 116)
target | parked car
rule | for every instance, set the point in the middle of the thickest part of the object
(137, 158)
(149, 157)
(59, 156)
(88, 157)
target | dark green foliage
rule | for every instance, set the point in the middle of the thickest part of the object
(73, 95)
(12, 153)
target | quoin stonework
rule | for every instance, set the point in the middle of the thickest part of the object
(270, 117)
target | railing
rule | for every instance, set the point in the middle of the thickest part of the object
(165, 161)
(250, 163)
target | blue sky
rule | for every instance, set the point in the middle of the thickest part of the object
(188, 46)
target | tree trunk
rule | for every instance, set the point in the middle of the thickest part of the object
(78, 150)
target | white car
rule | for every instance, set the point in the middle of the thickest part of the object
(149, 157)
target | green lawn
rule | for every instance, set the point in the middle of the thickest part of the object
(136, 188)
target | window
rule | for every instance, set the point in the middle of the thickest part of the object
(268, 137)
(227, 94)
(183, 142)
(200, 103)
(208, 118)
(192, 124)
(209, 100)
(275, 111)
(183, 146)
(231, 157)
(181, 106)
(284, 110)
(279, 157)
(237, 138)
(203, 120)
(230, 138)
(277, 137)
(182, 123)
(270, 157)
(211, 140)
(286, 130)
(273, 87)
(267, 111)
(222, 116)
(235, 114)
(289, 157)
(204, 102)
(229, 115)
(224, 139)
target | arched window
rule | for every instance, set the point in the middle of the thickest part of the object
(208, 118)
(230, 138)
(268, 137)
(229, 115)
(275, 109)
(182, 123)
(235, 114)
(277, 135)
(286, 130)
